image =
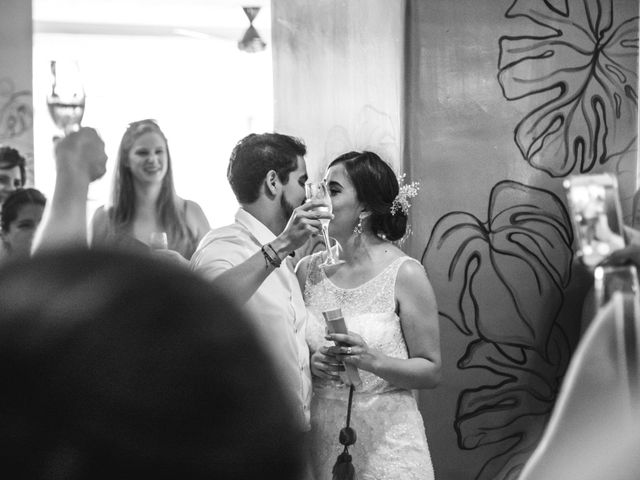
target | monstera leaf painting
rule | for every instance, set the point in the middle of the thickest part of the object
(501, 283)
(16, 112)
(510, 271)
(582, 69)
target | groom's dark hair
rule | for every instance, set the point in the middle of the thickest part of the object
(255, 155)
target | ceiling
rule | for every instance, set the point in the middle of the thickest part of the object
(196, 18)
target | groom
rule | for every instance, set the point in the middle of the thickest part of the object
(249, 259)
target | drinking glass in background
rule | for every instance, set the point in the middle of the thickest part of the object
(320, 191)
(158, 241)
(67, 98)
(609, 279)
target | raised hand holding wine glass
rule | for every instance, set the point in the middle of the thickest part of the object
(66, 101)
(320, 191)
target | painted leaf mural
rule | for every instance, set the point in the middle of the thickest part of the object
(582, 70)
(501, 283)
(16, 111)
(520, 255)
(513, 412)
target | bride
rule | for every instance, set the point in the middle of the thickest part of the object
(391, 314)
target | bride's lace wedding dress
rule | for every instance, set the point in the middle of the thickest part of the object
(391, 442)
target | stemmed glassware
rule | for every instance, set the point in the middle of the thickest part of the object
(67, 98)
(158, 241)
(320, 191)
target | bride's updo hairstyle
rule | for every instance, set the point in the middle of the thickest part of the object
(376, 186)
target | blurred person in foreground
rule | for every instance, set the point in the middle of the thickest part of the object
(116, 366)
(593, 432)
(144, 200)
(20, 216)
(250, 260)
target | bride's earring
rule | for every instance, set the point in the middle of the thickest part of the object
(357, 230)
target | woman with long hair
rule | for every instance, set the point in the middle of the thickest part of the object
(144, 200)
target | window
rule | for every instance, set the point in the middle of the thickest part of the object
(205, 93)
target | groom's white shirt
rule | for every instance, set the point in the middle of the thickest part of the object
(277, 307)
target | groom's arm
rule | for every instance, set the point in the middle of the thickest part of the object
(222, 258)
(223, 262)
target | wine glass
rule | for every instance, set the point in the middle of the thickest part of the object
(158, 241)
(67, 98)
(320, 191)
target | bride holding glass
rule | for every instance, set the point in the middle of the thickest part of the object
(392, 320)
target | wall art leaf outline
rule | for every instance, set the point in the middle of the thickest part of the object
(501, 283)
(582, 68)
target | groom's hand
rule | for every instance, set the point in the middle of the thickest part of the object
(304, 222)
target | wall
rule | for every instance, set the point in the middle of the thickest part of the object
(327, 89)
(505, 99)
(16, 109)
(493, 103)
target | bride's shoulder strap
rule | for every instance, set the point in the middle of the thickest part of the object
(313, 272)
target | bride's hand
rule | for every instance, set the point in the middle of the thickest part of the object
(325, 365)
(353, 350)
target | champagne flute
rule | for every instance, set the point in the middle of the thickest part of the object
(320, 191)
(159, 241)
(67, 98)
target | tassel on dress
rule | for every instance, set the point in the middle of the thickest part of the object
(343, 468)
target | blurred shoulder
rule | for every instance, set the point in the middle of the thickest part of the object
(100, 225)
(100, 218)
(195, 217)
(100, 212)
(192, 207)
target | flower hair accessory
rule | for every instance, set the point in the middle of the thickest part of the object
(401, 202)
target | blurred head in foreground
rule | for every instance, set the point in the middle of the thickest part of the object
(116, 366)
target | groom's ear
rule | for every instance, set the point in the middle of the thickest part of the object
(271, 183)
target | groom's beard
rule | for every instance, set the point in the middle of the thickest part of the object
(286, 207)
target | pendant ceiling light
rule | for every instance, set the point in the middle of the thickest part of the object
(251, 41)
